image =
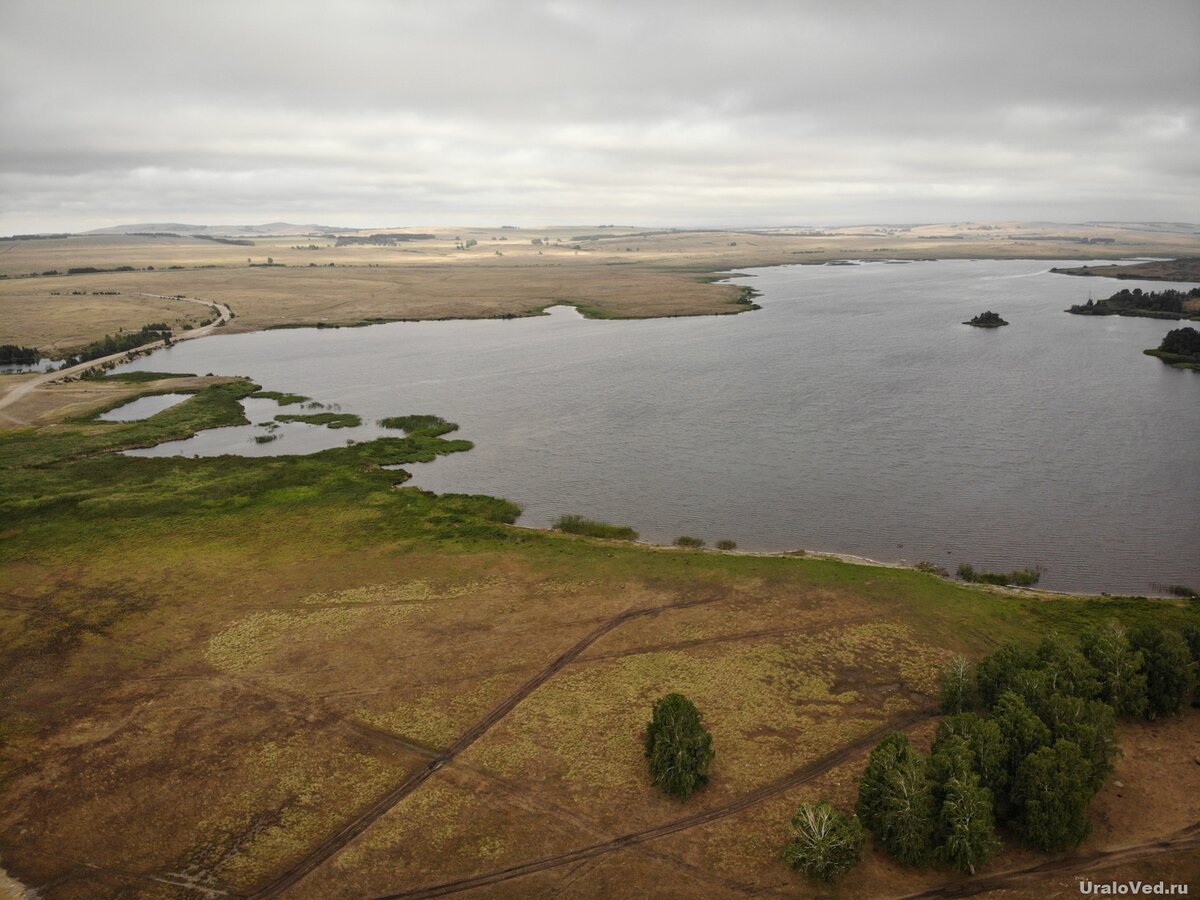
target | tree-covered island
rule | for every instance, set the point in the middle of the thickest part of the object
(1180, 348)
(1168, 304)
(987, 319)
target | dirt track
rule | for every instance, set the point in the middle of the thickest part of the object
(1184, 839)
(806, 773)
(349, 832)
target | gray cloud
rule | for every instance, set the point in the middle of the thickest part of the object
(675, 113)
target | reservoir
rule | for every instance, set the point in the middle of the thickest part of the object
(854, 413)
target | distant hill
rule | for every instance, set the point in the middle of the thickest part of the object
(271, 228)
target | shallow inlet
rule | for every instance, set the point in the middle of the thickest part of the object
(853, 413)
(142, 408)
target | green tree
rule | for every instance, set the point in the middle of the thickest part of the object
(1167, 662)
(964, 827)
(1067, 670)
(906, 817)
(1091, 726)
(891, 750)
(825, 843)
(995, 673)
(1021, 731)
(678, 747)
(958, 686)
(987, 746)
(1122, 683)
(1051, 797)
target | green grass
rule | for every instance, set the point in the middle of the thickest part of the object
(427, 425)
(280, 397)
(328, 419)
(574, 524)
(1178, 360)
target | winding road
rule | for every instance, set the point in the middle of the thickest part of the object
(17, 391)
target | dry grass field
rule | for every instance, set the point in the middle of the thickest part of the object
(606, 272)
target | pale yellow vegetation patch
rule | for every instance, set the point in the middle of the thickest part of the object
(252, 642)
(294, 794)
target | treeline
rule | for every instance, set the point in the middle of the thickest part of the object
(1166, 304)
(11, 354)
(384, 239)
(118, 343)
(1028, 739)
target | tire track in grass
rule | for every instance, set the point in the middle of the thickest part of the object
(353, 829)
(806, 773)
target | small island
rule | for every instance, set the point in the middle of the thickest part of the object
(1180, 348)
(987, 319)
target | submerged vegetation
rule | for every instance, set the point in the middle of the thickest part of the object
(328, 419)
(280, 397)
(428, 425)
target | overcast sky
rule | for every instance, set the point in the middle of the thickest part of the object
(347, 112)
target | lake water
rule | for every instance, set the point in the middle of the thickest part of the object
(142, 408)
(854, 413)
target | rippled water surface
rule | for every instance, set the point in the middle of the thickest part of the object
(853, 413)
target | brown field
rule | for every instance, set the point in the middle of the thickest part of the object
(616, 272)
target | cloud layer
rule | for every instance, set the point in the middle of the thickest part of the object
(380, 113)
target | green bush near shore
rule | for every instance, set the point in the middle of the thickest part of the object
(1026, 577)
(687, 540)
(574, 524)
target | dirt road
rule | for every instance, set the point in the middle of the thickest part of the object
(15, 392)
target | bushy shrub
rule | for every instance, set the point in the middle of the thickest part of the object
(726, 544)
(686, 540)
(825, 843)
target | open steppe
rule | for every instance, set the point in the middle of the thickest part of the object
(605, 271)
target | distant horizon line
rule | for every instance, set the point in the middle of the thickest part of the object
(315, 226)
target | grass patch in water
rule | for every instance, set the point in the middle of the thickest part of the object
(281, 397)
(328, 419)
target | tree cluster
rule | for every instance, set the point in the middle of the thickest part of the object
(110, 343)
(12, 354)
(1029, 737)
(1183, 341)
(1169, 302)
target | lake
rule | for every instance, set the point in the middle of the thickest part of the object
(854, 413)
